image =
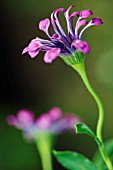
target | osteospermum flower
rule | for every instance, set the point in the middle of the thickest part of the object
(60, 43)
(53, 122)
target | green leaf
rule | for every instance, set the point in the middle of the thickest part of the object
(83, 128)
(97, 159)
(74, 161)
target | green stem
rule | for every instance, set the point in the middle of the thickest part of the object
(106, 158)
(80, 68)
(44, 146)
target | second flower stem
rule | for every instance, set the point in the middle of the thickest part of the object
(44, 145)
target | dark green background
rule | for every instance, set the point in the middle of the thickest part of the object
(30, 83)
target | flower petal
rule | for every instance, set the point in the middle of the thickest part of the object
(34, 44)
(33, 48)
(12, 120)
(81, 45)
(86, 13)
(26, 117)
(55, 14)
(55, 113)
(69, 21)
(51, 55)
(44, 121)
(81, 23)
(25, 50)
(34, 53)
(96, 21)
(78, 25)
(74, 14)
(44, 25)
(55, 36)
(66, 13)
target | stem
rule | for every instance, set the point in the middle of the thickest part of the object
(106, 158)
(80, 68)
(44, 145)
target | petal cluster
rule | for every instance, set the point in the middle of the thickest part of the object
(54, 122)
(60, 43)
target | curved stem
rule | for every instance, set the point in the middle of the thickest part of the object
(43, 143)
(80, 68)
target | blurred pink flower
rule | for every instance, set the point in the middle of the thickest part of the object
(53, 122)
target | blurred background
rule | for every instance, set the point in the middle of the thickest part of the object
(30, 83)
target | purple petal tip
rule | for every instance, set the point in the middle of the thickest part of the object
(86, 13)
(97, 21)
(82, 46)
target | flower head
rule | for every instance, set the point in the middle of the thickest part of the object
(53, 122)
(60, 43)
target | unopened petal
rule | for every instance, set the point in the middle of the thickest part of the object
(51, 55)
(74, 14)
(96, 21)
(86, 13)
(81, 45)
(81, 23)
(44, 25)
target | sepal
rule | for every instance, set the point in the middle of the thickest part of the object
(77, 58)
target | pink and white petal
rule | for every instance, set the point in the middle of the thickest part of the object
(86, 13)
(51, 55)
(44, 25)
(33, 54)
(66, 13)
(34, 44)
(81, 45)
(74, 14)
(96, 21)
(25, 50)
(81, 23)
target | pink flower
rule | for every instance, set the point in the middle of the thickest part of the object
(53, 122)
(61, 44)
